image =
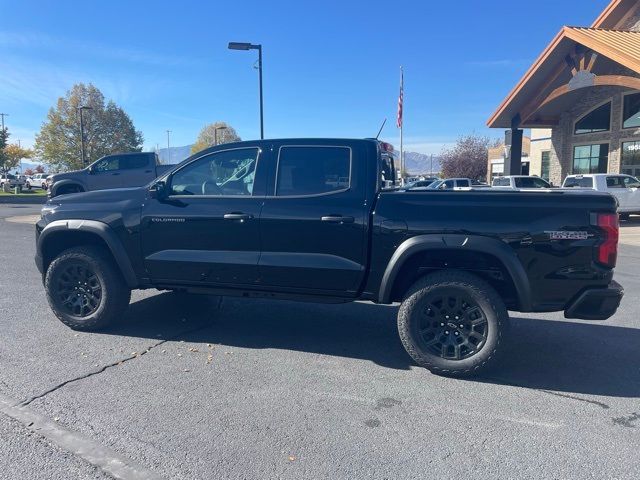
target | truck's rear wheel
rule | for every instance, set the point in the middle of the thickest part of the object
(452, 323)
(84, 288)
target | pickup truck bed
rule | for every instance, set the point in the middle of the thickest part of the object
(319, 220)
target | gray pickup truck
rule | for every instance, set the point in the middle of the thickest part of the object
(113, 171)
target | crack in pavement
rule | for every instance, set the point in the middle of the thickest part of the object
(110, 365)
(628, 421)
(550, 392)
(573, 397)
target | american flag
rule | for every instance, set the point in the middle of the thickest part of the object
(400, 99)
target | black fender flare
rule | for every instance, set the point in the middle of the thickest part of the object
(66, 181)
(104, 231)
(471, 243)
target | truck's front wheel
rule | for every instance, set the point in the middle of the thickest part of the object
(452, 323)
(84, 288)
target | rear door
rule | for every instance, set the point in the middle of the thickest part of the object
(313, 222)
(633, 193)
(137, 169)
(615, 186)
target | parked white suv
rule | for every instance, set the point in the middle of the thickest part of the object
(520, 181)
(38, 180)
(624, 187)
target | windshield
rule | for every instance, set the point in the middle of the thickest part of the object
(435, 185)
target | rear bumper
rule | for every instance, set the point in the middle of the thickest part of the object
(596, 303)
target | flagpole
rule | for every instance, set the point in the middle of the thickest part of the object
(401, 127)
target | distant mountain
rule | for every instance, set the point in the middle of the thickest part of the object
(419, 163)
(32, 165)
(173, 155)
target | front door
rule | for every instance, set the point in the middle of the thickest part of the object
(106, 173)
(205, 232)
(313, 222)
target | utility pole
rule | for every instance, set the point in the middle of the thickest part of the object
(3, 115)
(168, 147)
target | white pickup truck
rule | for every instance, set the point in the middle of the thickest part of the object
(519, 182)
(624, 187)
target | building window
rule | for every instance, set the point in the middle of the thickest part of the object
(631, 111)
(597, 120)
(591, 158)
(545, 163)
(630, 164)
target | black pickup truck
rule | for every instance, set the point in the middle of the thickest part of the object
(321, 220)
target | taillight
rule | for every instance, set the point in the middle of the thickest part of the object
(608, 248)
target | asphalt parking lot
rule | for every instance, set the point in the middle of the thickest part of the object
(260, 389)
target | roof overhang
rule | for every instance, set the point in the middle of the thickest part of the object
(565, 65)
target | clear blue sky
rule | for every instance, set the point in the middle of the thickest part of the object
(331, 68)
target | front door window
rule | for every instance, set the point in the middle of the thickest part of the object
(590, 158)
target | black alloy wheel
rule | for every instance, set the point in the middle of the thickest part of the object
(77, 289)
(453, 325)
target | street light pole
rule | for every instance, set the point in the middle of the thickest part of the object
(2, 115)
(82, 156)
(251, 46)
(261, 103)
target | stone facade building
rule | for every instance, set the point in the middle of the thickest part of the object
(581, 100)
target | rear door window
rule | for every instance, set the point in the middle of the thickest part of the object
(463, 183)
(312, 170)
(584, 182)
(130, 162)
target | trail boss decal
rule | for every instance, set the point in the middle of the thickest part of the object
(567, 235)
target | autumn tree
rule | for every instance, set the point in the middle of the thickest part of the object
(107, 129)
(208, 136)
(13, 154)
(28, 172)
(39, 169)
(467, 158)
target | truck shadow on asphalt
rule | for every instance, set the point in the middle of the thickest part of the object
(563, 356)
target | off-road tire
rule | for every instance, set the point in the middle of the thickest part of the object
(415, 310)
(114, 293)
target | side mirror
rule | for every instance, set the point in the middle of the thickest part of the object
(159, 190)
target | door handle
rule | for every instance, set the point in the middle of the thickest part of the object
(237, 216)
(337, 219)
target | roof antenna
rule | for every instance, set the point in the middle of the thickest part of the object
(381, 127)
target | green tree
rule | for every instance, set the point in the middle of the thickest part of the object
(207, 136)
(4, 159)
(107, 129)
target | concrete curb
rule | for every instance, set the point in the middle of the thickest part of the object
(80, 445)
(24, 199)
